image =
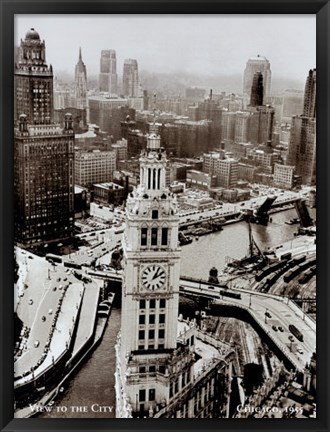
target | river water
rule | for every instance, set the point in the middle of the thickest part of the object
(92, 388)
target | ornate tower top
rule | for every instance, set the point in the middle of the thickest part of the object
(33, 81)
(32, 53)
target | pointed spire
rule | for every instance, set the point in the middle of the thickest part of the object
(80, 58)
(155, 99)
(153, 128)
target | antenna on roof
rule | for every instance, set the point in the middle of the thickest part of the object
(154, 109)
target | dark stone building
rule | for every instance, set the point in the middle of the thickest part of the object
(43, 152)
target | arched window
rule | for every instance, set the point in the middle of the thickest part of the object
(144, 236)
(164, 236)
(158, 184)
(154, 179)
(154, 236)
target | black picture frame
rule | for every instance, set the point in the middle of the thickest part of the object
(8, 9)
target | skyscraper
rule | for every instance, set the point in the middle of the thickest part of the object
(261, 120)
(302, 145)
(80, 83)
(108, 72)
(33, 84)
(130, 78)
(257, 90)
(253, 65)
(156, 365)
(43, 152)
(310, 95)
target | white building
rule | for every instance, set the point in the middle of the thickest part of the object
(157, 371)
(94, 167)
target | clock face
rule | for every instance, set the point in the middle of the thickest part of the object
(153, 277)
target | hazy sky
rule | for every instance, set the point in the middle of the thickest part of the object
(201, 44)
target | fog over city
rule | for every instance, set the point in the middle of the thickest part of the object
(195, 50)
(165, 216)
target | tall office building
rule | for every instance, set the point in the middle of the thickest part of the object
(253, 65)
(261, 117)
(157, 370)
(108, 78)
(94, 167)
(130, 78)
(257, 90)
(80, 83)
(228, 125)
(43, 152)
(242, 127)
(310, 95)
(302, 145)
(33, 84)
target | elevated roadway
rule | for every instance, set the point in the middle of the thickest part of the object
(269, 312)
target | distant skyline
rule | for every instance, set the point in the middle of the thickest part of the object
(206, 45)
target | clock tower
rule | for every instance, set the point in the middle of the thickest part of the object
(150, 288)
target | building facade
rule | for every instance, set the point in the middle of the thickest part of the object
(33, 84)
(108, 113)
(253, 65)
(257, 90)
(223, 166)
(109, 193)
(302, 145)
(156, 368)
(227, 172)
(80, 83)
(121, 149)
(43, 153)
(284, 176)
(108, 72)
(130, 78)
(94, 167)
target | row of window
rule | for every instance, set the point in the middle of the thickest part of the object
(152, 303)
(154, 234)
(151, 395)
(151, 347)
(176, 386)
(151, 334)
(152, 319)
(152, 369)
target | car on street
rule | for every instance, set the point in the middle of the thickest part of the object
(274, 328)
(268, 315)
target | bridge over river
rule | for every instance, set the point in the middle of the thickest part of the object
(267, 311)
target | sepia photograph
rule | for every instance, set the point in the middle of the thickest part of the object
(165, 216)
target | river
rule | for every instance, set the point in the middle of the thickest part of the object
(93, 385)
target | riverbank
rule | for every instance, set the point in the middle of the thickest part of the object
(73, 364)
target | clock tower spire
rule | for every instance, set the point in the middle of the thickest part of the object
(150, 289)
(156, 365)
